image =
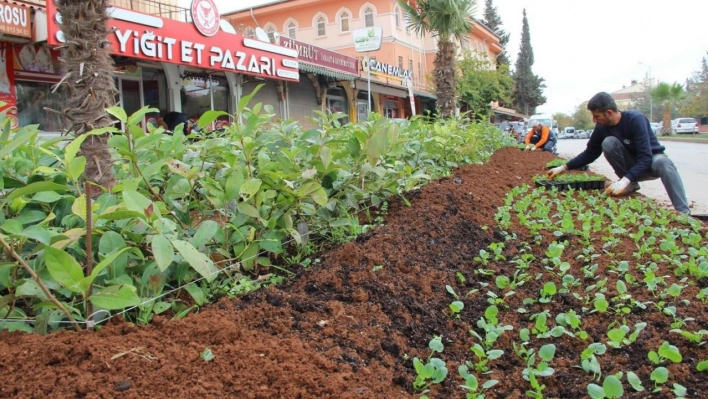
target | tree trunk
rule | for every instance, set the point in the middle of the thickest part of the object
(89, 82)
(666, 123)
(445, 80)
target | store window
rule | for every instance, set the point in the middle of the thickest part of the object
(202, 92)
(337, 102)
(369, 17)
(32, 98)
(321, 26)
(390, 107)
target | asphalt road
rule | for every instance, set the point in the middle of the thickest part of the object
(691, 160)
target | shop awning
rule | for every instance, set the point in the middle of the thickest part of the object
(361, 84)
(322, 70)
(424, 94)
(506, 111)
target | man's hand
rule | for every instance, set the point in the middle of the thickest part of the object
(552, 173)
(528, 146)
(533, 148)
(618, 188)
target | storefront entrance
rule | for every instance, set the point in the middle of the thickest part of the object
(337, 102)
(362, 108)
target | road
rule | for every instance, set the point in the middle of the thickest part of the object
(691, 160)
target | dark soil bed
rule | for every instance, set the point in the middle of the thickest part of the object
(342, 329)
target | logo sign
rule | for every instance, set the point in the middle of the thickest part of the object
(15, 20)
(367, 39)
(153, 38)
(206, 17)
(386, 69)
(320, 56)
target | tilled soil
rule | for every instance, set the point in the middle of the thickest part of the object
(346, 328)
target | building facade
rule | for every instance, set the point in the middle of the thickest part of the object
(166, 57)
(401, 70)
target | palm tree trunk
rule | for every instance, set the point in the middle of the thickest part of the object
(666, 123)
(445, 80)
(89, 82)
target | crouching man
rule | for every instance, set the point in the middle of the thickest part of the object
(633, 151)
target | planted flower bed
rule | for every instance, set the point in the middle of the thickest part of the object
(464, 289)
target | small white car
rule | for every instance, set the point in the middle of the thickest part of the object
(684, 125)
(656, 128)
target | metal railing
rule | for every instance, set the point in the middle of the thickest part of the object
(165, 10)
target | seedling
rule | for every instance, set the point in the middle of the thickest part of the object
(431, 372)
(207, 355)
(660, 375)
(484, 357)
(483, 257)
(456, 307)
(532, 371)
(693, 337)
(472, 385)
(492, 329)
(611, 388)
(589, 362)
(634, 381)
(665, 352)
(618, 336)
(549, 289)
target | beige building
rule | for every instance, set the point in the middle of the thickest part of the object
(627, 96)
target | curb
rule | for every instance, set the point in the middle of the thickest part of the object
(673, 140)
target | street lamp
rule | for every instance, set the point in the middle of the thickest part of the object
(651, 105)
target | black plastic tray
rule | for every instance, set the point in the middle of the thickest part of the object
(586, 167)
(576, 185)
(703, 218)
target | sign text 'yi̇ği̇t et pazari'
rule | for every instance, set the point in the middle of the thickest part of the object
(157, 39)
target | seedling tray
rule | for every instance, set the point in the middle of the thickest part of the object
(586, 167)
(575, 185)
(702, 218)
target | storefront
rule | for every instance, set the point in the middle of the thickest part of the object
(388, 88)
(327, 83)
(163, 63)
(23, 65)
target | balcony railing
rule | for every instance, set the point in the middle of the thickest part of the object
(165, 10)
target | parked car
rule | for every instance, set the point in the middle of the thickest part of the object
(656, 128)
(570, 131)
(583, 134)
(684, 125)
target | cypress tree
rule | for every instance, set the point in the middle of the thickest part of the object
(493, 21)
(528, 93)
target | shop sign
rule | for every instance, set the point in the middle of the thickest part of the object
(153, 38)
(15, 20)
(367, 39)
(387, 69)
(320, 56)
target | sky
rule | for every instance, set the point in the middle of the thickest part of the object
(584, 47)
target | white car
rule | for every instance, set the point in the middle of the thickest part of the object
(684, 125)
(656, 128)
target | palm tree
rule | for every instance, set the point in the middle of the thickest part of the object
(445, 20)
(667, 95)
(89, 82)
